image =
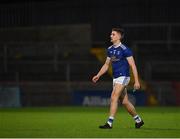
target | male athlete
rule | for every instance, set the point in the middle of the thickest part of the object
(121, 58)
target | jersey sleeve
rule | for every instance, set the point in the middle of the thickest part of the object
(108, 53)
(128, 52)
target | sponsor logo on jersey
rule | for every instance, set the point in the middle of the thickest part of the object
(114, 58)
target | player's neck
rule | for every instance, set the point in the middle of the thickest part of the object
(116, 44)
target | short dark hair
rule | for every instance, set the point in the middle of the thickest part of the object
(119, 30)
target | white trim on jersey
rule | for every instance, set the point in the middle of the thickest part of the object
(123, 47)
(110, 46)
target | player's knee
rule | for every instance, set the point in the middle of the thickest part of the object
(125, 102)
(114, 99)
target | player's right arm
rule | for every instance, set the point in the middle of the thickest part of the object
(103, 70)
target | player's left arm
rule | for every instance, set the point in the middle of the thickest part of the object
(132, 64)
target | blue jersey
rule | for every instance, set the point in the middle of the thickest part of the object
(118, 57)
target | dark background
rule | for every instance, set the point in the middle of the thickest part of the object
(101, 14)
(49, 70)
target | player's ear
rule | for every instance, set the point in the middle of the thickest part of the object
(122, 36)
(119, 36)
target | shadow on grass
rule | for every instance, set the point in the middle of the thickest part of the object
(162, 129)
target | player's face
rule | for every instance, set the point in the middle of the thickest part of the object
(115, 37)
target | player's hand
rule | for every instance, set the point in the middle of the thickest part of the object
(95, 78)
(136, 85)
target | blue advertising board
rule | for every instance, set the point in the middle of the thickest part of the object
(9, 97)
(102, 98)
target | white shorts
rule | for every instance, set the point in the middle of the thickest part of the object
(121, 80)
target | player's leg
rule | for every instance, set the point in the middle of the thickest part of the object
(131, 109)
(117, 89)
(127, 104)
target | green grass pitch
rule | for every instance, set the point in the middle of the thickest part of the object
(83, 122)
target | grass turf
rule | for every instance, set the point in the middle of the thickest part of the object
(83, 122)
